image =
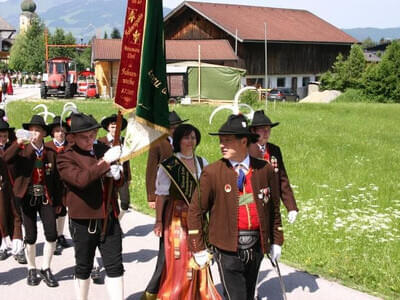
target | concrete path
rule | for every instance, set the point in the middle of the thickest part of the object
(139, 255)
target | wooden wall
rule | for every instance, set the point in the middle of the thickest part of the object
(283, 58)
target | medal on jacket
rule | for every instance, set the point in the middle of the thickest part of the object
(47, 167)
(264, 195)
(274, 163)
(228, 188)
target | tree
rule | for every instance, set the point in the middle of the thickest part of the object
(105, 35)
(60, 38)
(27, 53)
(115, 34)
(382, 81)
(367, 43)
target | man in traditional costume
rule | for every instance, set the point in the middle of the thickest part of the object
(86, 169)
(241, 195)
(262, 126)
(35, 188)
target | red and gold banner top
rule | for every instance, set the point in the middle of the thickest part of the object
(131, 54)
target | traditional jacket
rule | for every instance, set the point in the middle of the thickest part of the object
(8, 160)
(219, 195)
(10, 220)
(126, 165)
(157, 154)
(23, 157)
(286, 193)
(83, 173)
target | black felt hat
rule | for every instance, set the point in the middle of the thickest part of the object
(236, 125)
(174, 119)
(80, 122)
(38, 121)
(57, 122)
(113, 118)
(5, 126)
(260, 119)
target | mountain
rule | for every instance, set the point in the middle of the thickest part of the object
(84, 18)
(374, 33)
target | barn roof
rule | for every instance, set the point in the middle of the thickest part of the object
(283, 25)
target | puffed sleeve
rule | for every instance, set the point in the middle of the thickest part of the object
(163, 183)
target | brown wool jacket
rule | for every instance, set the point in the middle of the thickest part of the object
(157, 154)
(23, 159)
(10, 220)
(286, 193)
(219, 196)
(126, 165)
(83, 175)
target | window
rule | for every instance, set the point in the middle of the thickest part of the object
(281, 82)
(306, 80)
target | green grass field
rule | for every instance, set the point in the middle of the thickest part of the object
(343, 163)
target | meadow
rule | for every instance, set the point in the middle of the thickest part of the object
(343, 164)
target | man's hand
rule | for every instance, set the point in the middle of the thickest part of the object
(276, 252)
(152, 205)
(292, 216)
(115, 172)
(112, 154)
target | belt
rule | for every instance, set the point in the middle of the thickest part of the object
(36, 190)
(247, 239)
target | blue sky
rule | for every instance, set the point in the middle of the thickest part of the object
(341, 13)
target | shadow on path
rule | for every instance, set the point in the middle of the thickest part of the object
(12, 276)
(141, 230)
(272, 289)
(142, 255)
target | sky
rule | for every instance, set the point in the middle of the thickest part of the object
(341, 13)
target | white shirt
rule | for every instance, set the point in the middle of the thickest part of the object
(245, 164)
(163, 182)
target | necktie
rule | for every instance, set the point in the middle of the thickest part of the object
(241, 178)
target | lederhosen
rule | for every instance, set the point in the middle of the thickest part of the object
(239, 270)
(38, 200)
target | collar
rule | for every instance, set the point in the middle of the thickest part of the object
(110, 138)
(58, 144)
(170, 139)
(38, 151)
(83, 152)
(245, 163)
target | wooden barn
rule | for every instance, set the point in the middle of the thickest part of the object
(300, 45)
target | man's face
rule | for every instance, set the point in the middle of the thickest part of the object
(58, 133)
(38, 134)
(264, 132)
(232, 148)
(172, 129)
(111, 128)
(3, 137)
(85, 140)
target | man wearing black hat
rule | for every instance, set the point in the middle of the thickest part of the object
(158, 154)
(110, 125)
(241, 194)
(93, 217)
(58, 145)
(35, 188)
(262, 126)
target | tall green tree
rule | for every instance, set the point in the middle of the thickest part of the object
(115, 34)
(60, 38)
(27, 53)
(105, 35)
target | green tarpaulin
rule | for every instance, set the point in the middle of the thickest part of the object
(217, 82)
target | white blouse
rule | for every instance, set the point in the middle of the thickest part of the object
(163, 182)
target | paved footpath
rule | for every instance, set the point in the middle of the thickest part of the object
(139, 256)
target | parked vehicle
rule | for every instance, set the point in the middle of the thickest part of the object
(87, 85)
(61, 79)
(283, 94)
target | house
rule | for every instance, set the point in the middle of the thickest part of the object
(6, 39)
(300, 45)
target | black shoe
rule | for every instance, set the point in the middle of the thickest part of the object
(20, 257)
(3, 254)
(33, 279)
(48, 277)
(96, 276)
(58, 249)
(63, 242)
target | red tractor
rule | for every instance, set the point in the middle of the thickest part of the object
(61, 79)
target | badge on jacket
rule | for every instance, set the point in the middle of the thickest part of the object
(228, 188)
(47, 168)
(264, 195)
(274, 163)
